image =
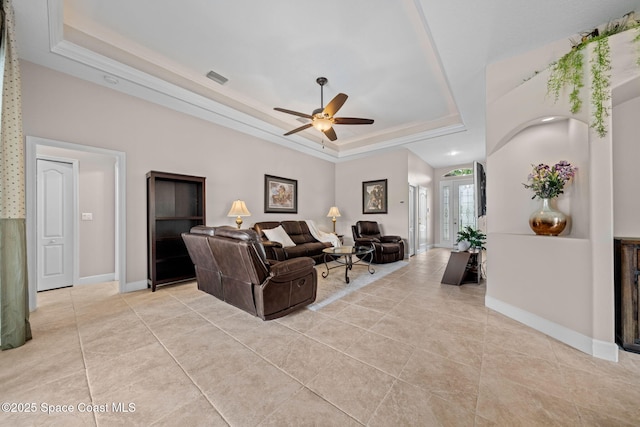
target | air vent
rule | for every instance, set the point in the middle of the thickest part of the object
(217, 77)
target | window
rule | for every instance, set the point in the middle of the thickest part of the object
(458, 172)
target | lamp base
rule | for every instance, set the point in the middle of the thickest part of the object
(239, 221)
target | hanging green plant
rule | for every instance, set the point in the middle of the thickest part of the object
(601, 80)
(568, 71)
(636, 40)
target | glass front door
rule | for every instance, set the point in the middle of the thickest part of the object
(457, 209)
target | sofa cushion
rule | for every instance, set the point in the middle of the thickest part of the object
(279, 235)
(298, 231)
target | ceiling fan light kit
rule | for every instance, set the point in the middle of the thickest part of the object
(323, 118)
(322, 124)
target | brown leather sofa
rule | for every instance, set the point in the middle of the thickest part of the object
(298, 231)
(386, 248)
(231, 265)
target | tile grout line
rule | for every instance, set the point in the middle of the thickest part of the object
(84, 358)
(482, 362)
(302, 385)
(173, 357)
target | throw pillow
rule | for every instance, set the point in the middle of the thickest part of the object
(279, 235)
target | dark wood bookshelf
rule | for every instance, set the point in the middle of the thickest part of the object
(175, 203)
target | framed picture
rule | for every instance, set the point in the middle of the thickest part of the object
(374, 197)
(280, 195)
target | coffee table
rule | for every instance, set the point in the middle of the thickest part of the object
(343, 255)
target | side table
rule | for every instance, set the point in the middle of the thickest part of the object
(463, 267)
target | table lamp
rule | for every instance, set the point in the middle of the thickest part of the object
(239, 209)
(334, 212)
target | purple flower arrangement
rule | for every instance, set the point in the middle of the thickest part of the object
(548, 182)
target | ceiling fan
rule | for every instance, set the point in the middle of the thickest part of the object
(323, 118)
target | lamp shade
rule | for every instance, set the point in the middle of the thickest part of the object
(239, 209)
(333, 211)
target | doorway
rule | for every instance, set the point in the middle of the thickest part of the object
(418, 213)
(412, 220)
(457, 209)
(423, 210)
(33, 144)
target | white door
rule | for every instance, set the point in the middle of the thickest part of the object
(54, 224)
(464, 205)
(457, 209)
(412, 220)
(422, 219)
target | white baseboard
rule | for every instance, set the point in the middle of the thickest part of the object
(596, 348)
(92, 280)
(134, 286)
(440, 245)
(605, 350)
(111, 277)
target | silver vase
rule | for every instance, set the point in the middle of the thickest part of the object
(547, 221)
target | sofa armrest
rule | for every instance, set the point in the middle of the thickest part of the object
(270, 244)
(390, 239)
(273, 250)
(291, 269)
(366, 241)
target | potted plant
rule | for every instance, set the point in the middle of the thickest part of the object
(475, 238)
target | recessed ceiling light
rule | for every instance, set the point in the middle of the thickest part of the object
(453, 153)
(217, 77)
(548, 119)
(111, 80)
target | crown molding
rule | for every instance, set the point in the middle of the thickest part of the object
(153, 89)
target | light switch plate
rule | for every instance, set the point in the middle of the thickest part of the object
(87, 216)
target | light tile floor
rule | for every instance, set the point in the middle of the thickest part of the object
(404, 350)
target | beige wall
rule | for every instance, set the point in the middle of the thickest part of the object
(626, 157)
(421, 174)
(60, 107)
(349, 177)
(401, 168)
(545, 143)
(561, 285)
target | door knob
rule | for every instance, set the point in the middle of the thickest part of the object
(52, 241)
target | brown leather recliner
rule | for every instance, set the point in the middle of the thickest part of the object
(386, 248)
(207, 270)
(235, 270)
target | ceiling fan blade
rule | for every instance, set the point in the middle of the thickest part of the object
(331, 134)
(295, 113)
(335, 104)
(351, 121)
(308, 125)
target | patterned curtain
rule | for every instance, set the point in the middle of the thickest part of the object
(14, 298)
